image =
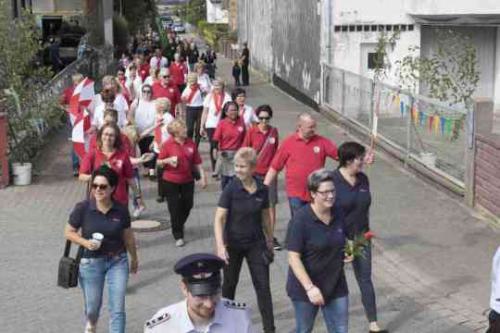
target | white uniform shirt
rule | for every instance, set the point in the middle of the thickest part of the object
(205, 83)
(249, 115)
(229, 317)
(213, 117)
(153, 63)
(197, 100)
(98, 116)
(145, 114)
(495, 283)
(134, 86)
(167, 119)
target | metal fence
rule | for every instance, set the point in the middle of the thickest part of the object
(418, 128)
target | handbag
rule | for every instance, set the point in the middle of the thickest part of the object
(67, 275)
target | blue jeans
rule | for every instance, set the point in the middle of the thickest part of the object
(93, 273)
(75, 161)
(296, 204)
(362, 266)
(224, 180)
(335, 314)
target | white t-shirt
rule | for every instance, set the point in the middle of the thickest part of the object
(167, 119)
(249, 115)
(153, 63)
(212, 117)
(120, 103)
(495, 283)
(134, 86)
(204, 83)
(149, 80)
(197, 100)
(145, 114)
(98, 116)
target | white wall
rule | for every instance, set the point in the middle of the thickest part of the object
(442, 7)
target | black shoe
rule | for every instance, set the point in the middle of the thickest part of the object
(75, 173)
(160, 199)
(381, 331)
(276, 245)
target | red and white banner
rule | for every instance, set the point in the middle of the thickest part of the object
(80, 117)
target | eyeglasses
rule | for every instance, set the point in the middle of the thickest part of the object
(264, 118)
(101, 187)
(165, 76)
(146, 91)
(326, 193)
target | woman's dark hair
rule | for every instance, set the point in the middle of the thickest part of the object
(118, 139)
(120, 69)
(317, 177)
(108, 173)
(264, 108)
(349, 151)
(226, 107)
(236, 92)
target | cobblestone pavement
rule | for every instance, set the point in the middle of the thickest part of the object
(431, 263)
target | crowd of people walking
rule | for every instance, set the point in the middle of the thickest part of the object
(154, 115)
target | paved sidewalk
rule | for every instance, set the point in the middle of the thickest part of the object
(431, 264)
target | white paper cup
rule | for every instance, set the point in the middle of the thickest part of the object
(97, 238)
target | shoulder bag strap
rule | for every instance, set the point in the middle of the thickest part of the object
(266, 142)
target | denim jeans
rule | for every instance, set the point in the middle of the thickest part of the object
(295, 204)
(93, 273)
(335, 314)
(362, 266)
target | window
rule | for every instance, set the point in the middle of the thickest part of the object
(372, 60)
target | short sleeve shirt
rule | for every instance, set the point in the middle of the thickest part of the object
(213, 116)
(187, 157)
(301, 157)
(321, 249)
(244, 216)
(89, 219)
(230, 134)
(257, 139)
(170, 91)
(355, 202)
(119, 161)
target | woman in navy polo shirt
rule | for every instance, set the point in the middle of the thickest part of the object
(107, 261)
(243, 231)
(353, 196)
(316, 241)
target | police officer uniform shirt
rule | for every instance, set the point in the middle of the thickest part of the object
(229, 317)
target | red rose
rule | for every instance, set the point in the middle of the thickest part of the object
(369, 235)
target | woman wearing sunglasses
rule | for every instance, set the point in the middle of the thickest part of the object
(109, 152)
(264, 138)
(143, 115)
(106, 260)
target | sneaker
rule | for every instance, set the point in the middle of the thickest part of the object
(276, 245)
(89, 328)
(179, 242)
(137, 211)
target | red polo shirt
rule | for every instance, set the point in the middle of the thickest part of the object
(230, 134)
(187, 157)
(144, 70)
(126, 146)
(256, 139)
(300, 158)
(177, 71)
(170, 91)
(119, 162)
(66, 95)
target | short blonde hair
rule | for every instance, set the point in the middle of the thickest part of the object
(218, 82)
(199, 65)
(248, 155)
(174, 126)
(77, 78)
(163, 104)
(192, 77)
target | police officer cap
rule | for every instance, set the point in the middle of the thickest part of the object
(201, 272)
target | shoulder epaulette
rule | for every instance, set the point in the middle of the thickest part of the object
(235, 305)
(157, 320)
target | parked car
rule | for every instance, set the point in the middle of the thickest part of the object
(179, 28)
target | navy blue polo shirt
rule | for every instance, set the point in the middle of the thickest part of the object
(86, 216)
(355, 202)
(244, 217)
(321, 249)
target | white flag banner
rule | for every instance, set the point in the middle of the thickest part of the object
(216, 13)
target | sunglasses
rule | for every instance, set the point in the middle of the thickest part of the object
(264, 118)
(146, 91)
(101, 187)
(166, 76)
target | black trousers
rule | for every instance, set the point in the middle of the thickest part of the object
(494, 319)
(144, 145)
(245, 77)
(259, 273)
(213, 147)
(193, 121)
(179, 202)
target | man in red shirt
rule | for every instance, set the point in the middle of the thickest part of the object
(64, 101)
(178, 70)
(166, 88)
(143, 67)
(230, 133)
(301, 153)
